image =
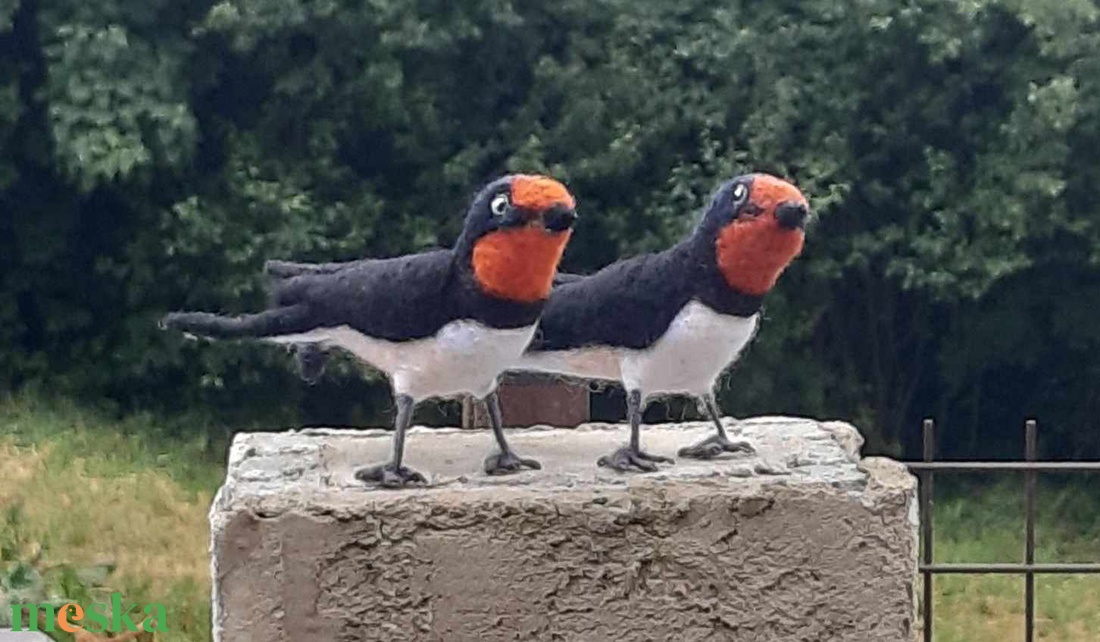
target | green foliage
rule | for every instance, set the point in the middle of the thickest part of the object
(157, 153)
(7, 10)
(25, 577)
(116, 106)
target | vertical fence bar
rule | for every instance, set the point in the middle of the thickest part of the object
(1030, 448)
(926, 502)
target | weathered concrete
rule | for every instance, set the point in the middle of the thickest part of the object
(805, 542)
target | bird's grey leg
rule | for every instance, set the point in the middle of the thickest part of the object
(716, 444)
(631, 456)
(506, 460)
(393, 474)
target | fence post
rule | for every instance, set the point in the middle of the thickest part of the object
(1029, 552)
(926, 503)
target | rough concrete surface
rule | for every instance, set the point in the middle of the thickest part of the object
(804, 542)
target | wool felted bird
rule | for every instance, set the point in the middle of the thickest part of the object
(670, 323)
(441, 323)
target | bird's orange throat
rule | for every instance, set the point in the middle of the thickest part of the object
(752, 254)
(518, 264)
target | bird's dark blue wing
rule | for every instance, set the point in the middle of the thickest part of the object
(289, 269)
(400, 299)
(397, 299)
(628, 304)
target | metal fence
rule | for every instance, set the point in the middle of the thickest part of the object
(926, 470)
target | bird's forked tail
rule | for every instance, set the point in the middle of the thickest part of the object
(293, 319)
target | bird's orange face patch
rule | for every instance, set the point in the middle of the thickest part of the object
(518, 263)
(752, 252)
(539, 193)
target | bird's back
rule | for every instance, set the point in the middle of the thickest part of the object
(628, 304)
(396, 299)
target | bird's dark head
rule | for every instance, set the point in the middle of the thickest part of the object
(515, 233)
(756, 225)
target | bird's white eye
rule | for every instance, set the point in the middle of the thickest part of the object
(499, 205)
(740, 193)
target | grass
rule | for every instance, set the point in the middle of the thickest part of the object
(986, 524)
(90, 490)
(133, 492)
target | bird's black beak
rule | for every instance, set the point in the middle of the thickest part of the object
(792, 216)
(559, 218)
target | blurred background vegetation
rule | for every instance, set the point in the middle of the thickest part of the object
(155, 153)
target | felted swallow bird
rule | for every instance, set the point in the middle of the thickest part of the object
(670, 323)
(442, 323)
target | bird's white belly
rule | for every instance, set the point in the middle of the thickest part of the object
(698, 345)
(463, 357)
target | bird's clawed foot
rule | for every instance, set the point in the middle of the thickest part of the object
(389, 476)
(714, 446)
(507, 462)
(627, 459)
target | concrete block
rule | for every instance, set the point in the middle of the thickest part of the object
(803, 542)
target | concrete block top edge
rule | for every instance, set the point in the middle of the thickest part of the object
(313, 470)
